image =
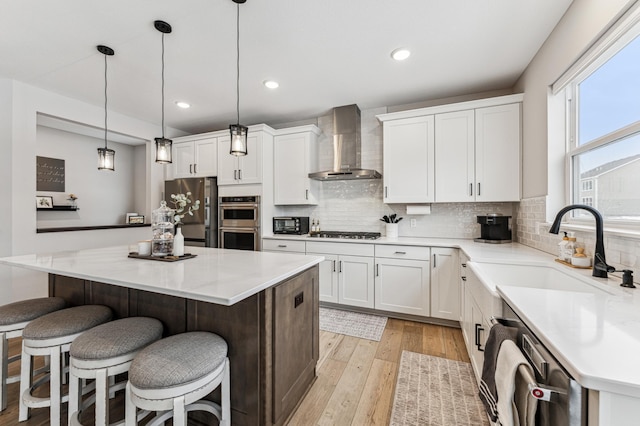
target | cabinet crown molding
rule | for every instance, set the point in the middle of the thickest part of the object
(459, 106)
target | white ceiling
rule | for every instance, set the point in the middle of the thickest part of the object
(324, 53)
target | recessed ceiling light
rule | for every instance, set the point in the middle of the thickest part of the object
(400, 54)
(181, 104)
(271, 84)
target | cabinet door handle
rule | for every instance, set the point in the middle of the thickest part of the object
(464, 278)
(195, 168)
(235, 175)
(340, 267)
(434, 260)
(239, 174)
(334, 266)
(377, 269)
(386, 192)
(400, 252)
(479, 329)
(306, 194)
(471, 189)
(190, 168)
(478, 189)
(464, 265)
(282, 245)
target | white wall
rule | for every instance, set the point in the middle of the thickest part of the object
(583, 22)
(103, 196)
(19, 106)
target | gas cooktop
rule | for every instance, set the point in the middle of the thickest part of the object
(347, 235)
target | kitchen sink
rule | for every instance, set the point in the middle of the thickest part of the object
(536, 276)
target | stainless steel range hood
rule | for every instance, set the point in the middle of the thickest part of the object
(346, 148)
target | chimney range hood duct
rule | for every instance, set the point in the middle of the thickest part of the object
(346, 148)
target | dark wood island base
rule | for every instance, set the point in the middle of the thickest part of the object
(273, 336)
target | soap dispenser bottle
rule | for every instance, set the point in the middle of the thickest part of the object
(562, 245)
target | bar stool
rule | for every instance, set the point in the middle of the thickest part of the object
(51, 335)
(13, 319)
(103, 352)
(174, 374)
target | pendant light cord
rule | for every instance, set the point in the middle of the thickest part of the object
(238, 61)
(162, 85)
(105, 101)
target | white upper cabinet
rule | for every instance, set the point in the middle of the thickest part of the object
(455, 156)
(194, 157)
(498, 138)
(408, 160)
(464, 152)
(245, 169)
(294, 149)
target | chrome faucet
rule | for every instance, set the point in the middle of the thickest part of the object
(599, 271)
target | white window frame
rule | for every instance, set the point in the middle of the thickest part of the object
(621, 33)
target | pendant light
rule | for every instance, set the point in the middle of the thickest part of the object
(106, 156)
(163, 145)
(239, 132)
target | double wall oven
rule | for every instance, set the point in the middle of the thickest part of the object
(239, 226)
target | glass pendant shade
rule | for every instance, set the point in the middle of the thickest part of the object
(106, 159)
(238, 139)
(163, 150)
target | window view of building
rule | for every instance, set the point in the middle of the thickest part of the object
(605, 150)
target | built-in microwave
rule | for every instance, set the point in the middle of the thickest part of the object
(297, 225)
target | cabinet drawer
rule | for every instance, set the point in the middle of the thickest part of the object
(352, 249)
(403, 252)
(283, 245)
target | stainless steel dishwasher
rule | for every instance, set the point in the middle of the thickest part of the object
(561, 400)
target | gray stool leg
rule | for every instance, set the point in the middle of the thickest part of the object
(225, 398)
(102, 402)
(129, 408)
(179, 412)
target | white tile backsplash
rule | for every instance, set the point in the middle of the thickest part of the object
(533, 230)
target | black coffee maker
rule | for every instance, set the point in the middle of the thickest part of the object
(494, 228)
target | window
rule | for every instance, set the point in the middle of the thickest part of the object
(604, 150)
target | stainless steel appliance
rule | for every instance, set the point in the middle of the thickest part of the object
(296, 225)
(201, 228)
(494, 228)
(561, 400)
(239, 223)
(347, 235)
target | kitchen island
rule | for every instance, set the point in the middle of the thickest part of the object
(265, 305)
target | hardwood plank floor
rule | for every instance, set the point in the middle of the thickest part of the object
(356, 377)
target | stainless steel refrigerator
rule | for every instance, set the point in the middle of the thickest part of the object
(201, 229)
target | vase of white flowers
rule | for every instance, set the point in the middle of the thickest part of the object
(182, 208)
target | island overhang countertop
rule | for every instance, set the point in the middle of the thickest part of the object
(220, 276)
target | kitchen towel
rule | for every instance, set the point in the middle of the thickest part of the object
(488, 394)
(515, 406)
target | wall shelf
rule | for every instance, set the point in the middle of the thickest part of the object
(67, 208)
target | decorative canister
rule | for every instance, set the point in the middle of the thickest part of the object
(162, 228)
(392, 230)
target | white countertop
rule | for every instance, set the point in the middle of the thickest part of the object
(594, 331)
(216, 275)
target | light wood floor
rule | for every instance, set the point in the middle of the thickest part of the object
(356, 377)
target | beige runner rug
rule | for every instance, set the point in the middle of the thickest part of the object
(433, 391)
(363, 326)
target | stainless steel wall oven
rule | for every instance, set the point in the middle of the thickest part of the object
(239, 223)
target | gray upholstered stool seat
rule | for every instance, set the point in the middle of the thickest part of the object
(13, 318)
(51, 335)
(175, 374)
(103, 352)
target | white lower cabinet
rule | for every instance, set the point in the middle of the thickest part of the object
(402, 279)
(346, 275)
(445, 283)
(479, 306)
